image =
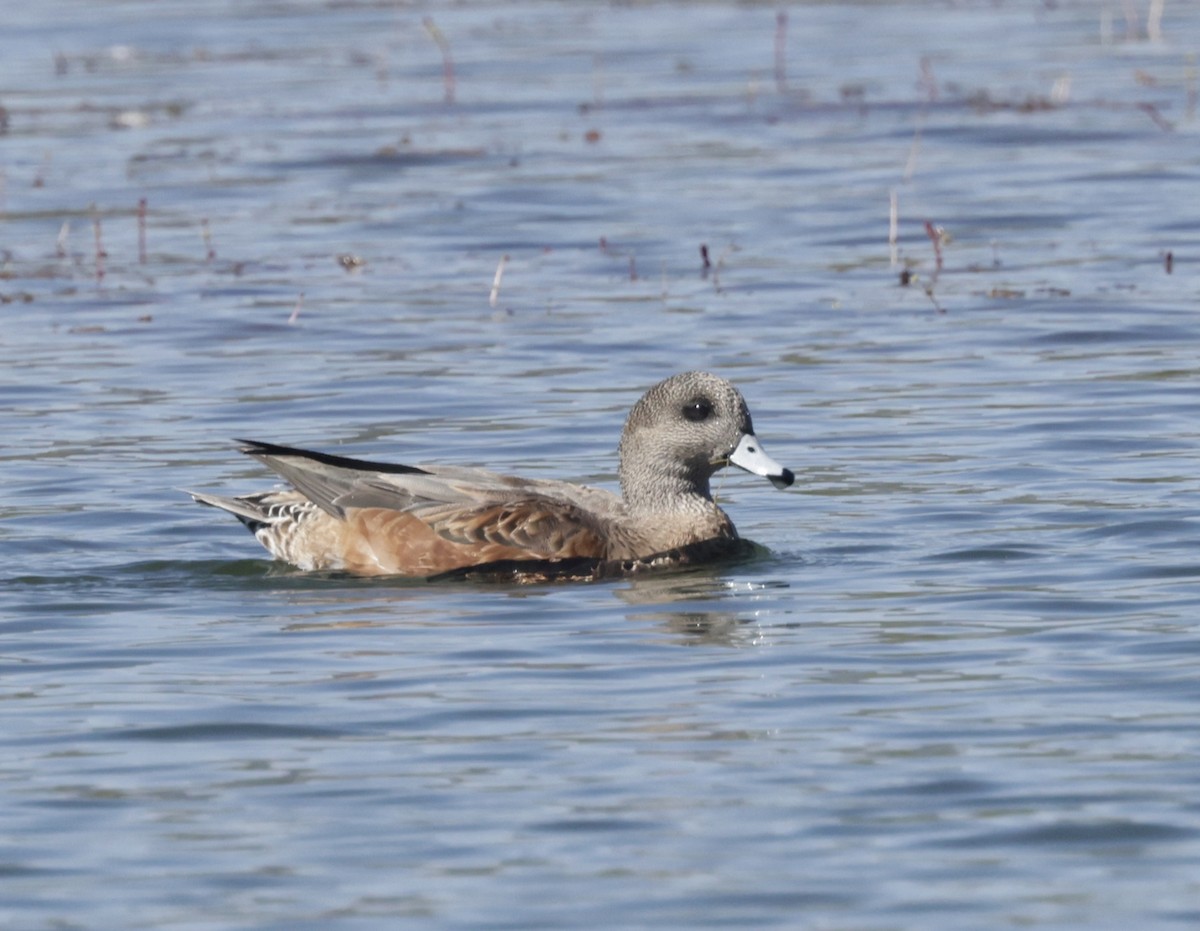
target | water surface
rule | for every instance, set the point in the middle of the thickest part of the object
(957, 689)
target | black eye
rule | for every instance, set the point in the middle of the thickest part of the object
(697, 410)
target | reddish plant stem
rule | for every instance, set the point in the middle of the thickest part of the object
(100, 253)
(209, 252)
(928, 81)
(448, 82)
(141, 222)
(781, 24)
(1159, 120)
(935, 237)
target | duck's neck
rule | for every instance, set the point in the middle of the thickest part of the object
(669, 490)
(663, 521)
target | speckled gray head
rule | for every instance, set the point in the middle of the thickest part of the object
(682, 431)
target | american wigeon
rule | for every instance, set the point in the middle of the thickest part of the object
(371, 518)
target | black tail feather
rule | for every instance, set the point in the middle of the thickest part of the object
(258, 449)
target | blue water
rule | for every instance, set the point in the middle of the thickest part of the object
(957, 689)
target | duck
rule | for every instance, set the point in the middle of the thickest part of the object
(367, 518)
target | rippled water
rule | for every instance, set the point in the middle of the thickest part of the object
(958, 689)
